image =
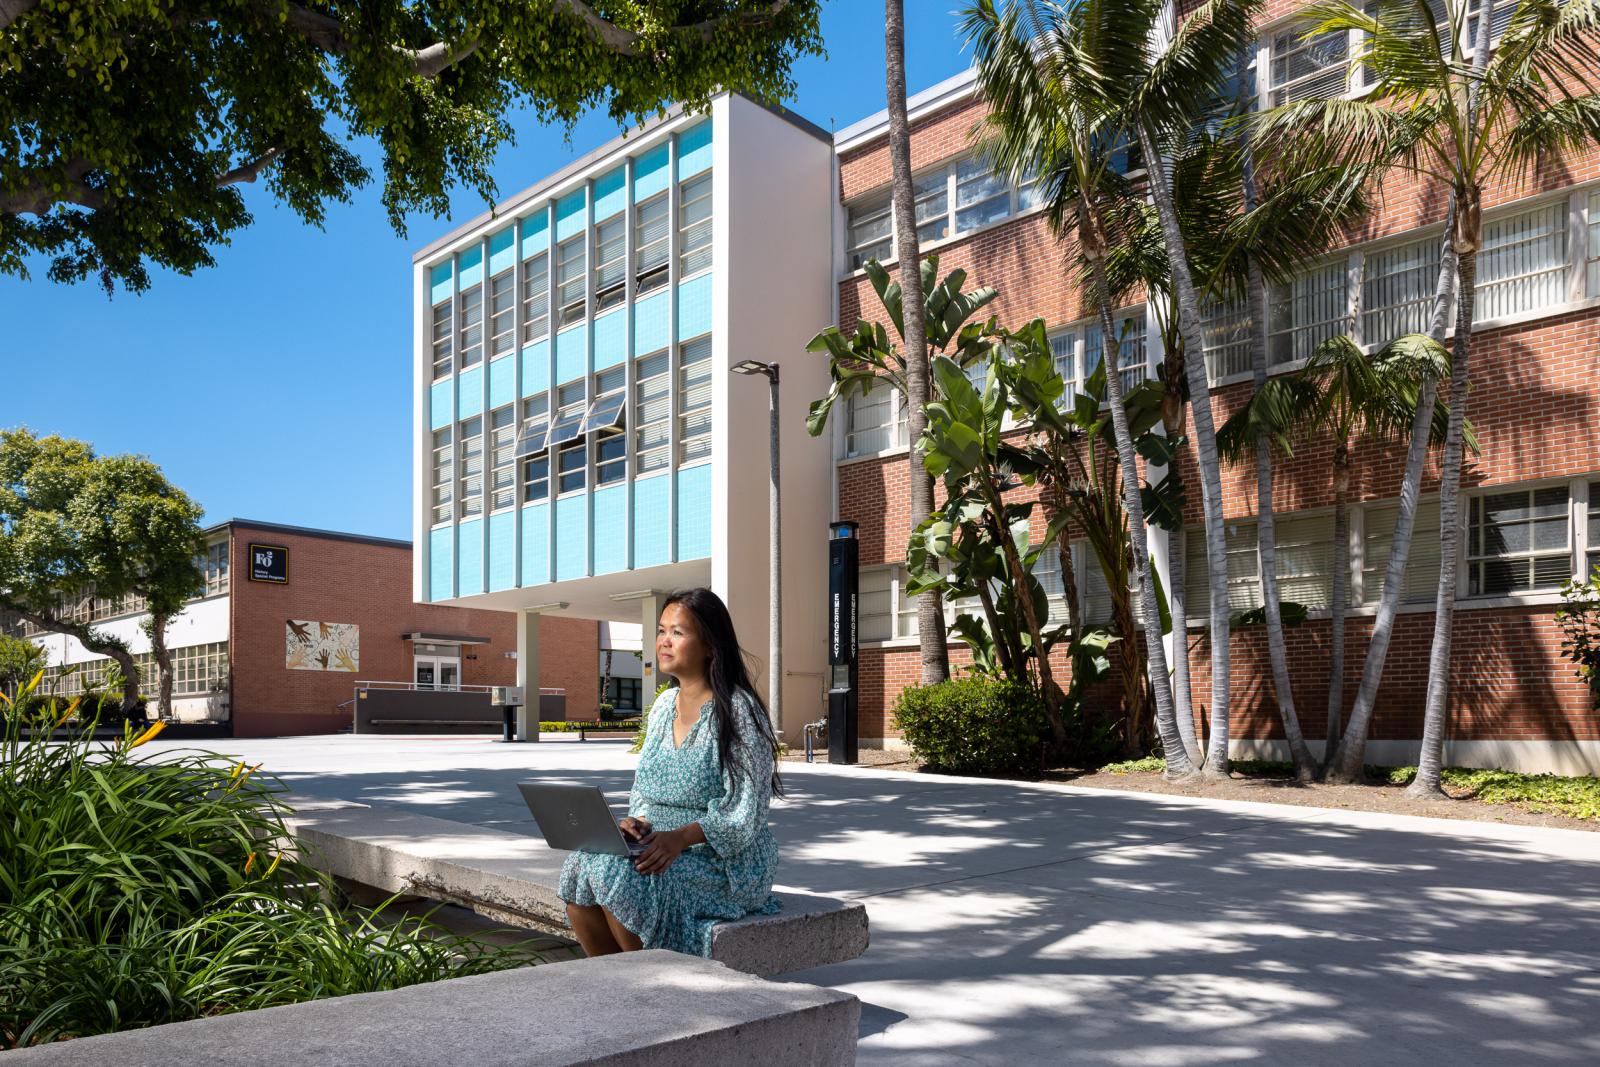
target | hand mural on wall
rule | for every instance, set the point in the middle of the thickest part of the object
(322, 646)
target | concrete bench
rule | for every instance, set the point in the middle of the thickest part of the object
(512, 878)
(637, 1009)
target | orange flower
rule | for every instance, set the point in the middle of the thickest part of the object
(150, 733)
(250, 862)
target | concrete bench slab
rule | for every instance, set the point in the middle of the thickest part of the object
(637, 1009)
(512, 878)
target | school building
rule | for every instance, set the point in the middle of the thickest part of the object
(582, 445)
(292, 621)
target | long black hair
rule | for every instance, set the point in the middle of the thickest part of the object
(725, 670)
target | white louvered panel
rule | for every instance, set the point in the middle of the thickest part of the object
(1305, 560)
(1226, 330)
(1522, 265)
(1422, 563)
(1397, 287)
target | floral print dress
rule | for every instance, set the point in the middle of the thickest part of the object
(727, 877)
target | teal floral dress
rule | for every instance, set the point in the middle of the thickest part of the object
(727, 877)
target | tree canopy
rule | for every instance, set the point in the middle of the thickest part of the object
(74, 524)
(127, 126)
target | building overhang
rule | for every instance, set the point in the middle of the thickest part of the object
(423, 637)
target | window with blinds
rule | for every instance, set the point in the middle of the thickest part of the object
(1064, 352)
(1518, 541)
(875, 604)
(570, 281)
(1522, 264)
(610, 263)
(502, 457)
(1308, 311)
(214, 565)
(652, 403)
(469, 462)
(1225, 328)
(982, 196)
(1131, 357)
(1047, 569)
(1592, 265)
(470, 340)
(932, 200)
(875, 421)
(1305, 560)
(1421, 584)
(1593, 558)
(443, 341)
(1244, 574)
(652, 230)
(694, 225)
(443, 475)
(535, 297)
(1397, 288)
(694, 401)
(502, 313)
(1308, 67)
(871, 233)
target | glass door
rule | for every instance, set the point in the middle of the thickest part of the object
(437, 672)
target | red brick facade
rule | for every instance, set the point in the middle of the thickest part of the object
(1535, 403)
(367, 582)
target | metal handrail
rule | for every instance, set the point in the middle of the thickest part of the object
(441, 688)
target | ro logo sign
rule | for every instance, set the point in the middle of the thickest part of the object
(269, 563)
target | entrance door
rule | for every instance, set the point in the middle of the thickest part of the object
(438, 672)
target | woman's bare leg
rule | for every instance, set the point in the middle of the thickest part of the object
(592, 924)
(624, 937)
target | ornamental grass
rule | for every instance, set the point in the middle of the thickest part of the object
(139, 889)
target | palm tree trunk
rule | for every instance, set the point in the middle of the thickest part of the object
(1179, 766)
(1205, 437)
(1468, 199)
(930, 610)
(1178, 602)
(1341, 596)
(1431, 762)
(1305, 767)
(1346, 763)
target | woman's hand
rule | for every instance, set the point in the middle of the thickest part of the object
(661, 849)
(634, 829)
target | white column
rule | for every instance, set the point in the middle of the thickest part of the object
(528, 675)
(649, 612)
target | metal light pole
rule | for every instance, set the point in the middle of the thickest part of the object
(774, 549)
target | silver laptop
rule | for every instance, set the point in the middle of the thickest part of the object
(573, 817)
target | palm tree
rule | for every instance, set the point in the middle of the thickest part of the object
(1043, 70)
(1159, 82)
(1458, 124)
(930, 611)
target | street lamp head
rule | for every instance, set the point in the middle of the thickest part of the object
(755, 366)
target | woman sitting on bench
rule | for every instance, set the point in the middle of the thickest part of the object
(699, 802)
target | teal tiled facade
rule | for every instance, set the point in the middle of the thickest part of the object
(514, 539)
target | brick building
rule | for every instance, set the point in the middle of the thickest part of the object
(1531, 497)
(291, 619)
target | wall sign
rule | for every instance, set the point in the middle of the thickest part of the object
(269, 563)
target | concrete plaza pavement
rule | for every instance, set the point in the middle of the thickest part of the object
(1044, 924)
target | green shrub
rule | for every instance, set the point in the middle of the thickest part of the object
(141, 890)
(1577, 797)
(574, 727)
(1579, 619)
(1146, 765)
(974, 725)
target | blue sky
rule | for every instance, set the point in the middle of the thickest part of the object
(276, 386)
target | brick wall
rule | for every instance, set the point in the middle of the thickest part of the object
(369, 584)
